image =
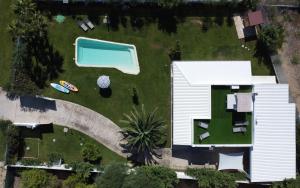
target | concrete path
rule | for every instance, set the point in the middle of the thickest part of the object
(42, 110)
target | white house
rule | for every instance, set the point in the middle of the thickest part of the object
(272, 148)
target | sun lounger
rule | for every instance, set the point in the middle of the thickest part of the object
(204, 135)
(239, 129)
(245, 123)
(203, 125)
(89, 23)
(82, 25)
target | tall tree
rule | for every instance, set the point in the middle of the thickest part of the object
(37, 178)
(208, 178)
(144, 133)
(113, 176)
(270, 38)
(28, 23)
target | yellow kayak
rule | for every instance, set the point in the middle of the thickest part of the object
(68, 85)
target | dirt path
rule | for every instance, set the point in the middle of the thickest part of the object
(291, 48)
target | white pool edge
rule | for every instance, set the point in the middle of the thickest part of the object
(135, 60)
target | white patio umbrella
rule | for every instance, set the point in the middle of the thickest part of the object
(103, 82)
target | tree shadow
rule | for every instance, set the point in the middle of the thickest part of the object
(135, 97)
(167, 22)
(46, 62)
(106, 93)
(136, 22)
(30, 103)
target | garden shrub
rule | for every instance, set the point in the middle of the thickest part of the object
(90, 152)
(208, 178)
(13, 143)
(31, 162)
(54, 158)
(37, 178)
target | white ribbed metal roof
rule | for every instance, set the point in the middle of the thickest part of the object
(189, 102)
(216, 72)
(273, 157)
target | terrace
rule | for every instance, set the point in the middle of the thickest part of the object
(222, 120)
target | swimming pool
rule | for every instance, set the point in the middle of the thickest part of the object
(99, 53)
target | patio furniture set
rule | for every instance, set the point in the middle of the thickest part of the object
(85, 24)
(240, 102)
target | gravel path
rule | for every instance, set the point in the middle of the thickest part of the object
(42, 110)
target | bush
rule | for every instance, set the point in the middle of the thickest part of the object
(72, 181)
(82, 169)
(113, 176)
(54, 158)
(31, 162)
(175, 53)
(36, 178)
(151, 176)
(169, 3)
(288, 183)
(12, 142)
(90, 152)
(295, 59)
(208, 178)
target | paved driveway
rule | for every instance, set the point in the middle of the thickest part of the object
(41, 110)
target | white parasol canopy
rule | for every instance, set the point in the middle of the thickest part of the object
(231, 161)
(103, 82)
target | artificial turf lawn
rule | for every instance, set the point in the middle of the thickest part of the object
(219, 42)
(67, 144)
(33, 144)
(221, 123)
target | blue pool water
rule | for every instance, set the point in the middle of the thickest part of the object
(98, 53)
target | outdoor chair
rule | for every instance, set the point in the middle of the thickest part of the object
(245, 123)
(89, 23)
(204, 135)
(82, 25)
(239, 129)
(203, 125)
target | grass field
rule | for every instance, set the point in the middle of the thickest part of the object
(221, 123)
(153, 42)
(31, 147)
(68, 144)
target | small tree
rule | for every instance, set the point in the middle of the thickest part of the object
(36, 178)
(139, 179)
(90, 152)
(208, 178)
(271, 37)
(13, 143)
(82, 169)
(167, 176)
(113, 176)
(175, 53)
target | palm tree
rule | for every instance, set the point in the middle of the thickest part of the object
(144, 133)
(28, 23)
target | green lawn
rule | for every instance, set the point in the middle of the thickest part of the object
(31, 147)
(153, 83)
(221, 123)
(68, 144)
